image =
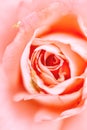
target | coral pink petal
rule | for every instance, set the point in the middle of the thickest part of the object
(13, 52)
(22, 113)
(63, 87)
(10, 13)
(58, 102)
(76, 122)
(73, 52)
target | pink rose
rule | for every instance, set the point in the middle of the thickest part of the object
(43, 66)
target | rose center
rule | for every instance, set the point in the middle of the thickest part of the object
(48, 64)
(52, 60)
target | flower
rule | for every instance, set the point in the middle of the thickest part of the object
(46, 66)
(50, 67)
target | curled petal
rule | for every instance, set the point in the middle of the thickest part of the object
(69, 86)
(74, 52)
(54, 104)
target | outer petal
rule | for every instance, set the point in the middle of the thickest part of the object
(15, 49)
(12, 55)
(22, 113)
(55, 107)
(9, 15)
(12, 11)
(76, 122)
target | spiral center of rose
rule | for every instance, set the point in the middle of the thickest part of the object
(52, 60)
(50, 63)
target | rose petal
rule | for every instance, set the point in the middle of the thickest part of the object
(76, 122)
(69, 24)
(65, 86)
(74, 53)
(10, 13)
(15, 49)
(22, 113)
(55, 107)
(54, 102)
(25, 33)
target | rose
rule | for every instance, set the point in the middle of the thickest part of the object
(17, 72)
(10, 79)
(50, 70)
